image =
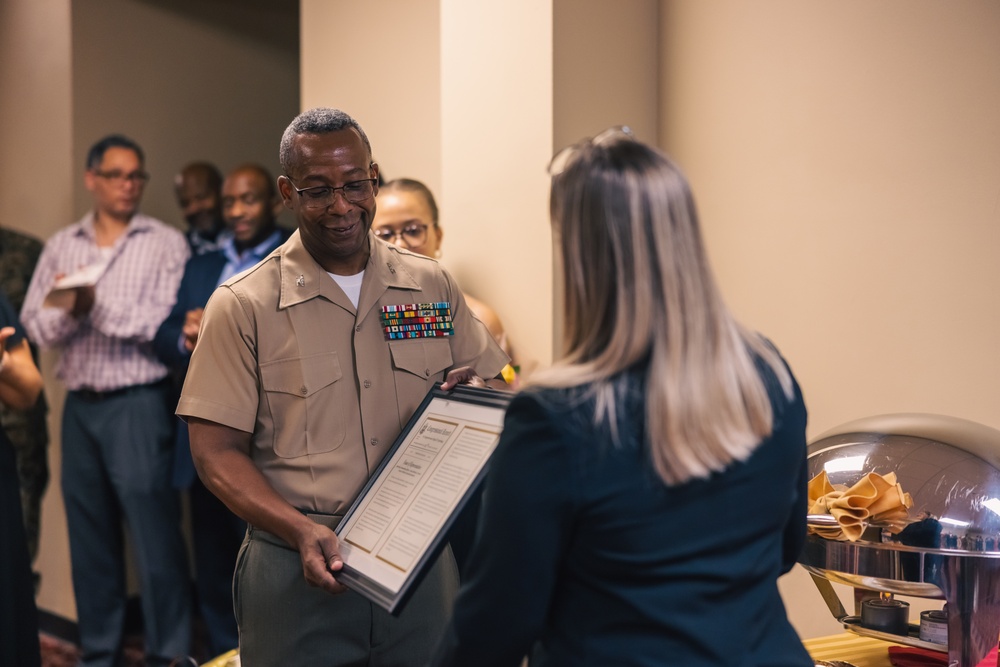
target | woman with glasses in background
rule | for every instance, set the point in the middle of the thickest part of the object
(649, 489)
(407, 215)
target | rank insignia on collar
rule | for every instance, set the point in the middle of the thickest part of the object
(417, 320)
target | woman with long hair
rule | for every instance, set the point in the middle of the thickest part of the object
(649, 489)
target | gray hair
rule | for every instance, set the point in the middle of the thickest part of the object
(321, 120)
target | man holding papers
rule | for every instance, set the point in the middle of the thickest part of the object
(120, 270)
(306, 369)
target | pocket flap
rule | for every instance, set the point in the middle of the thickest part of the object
(301, 376)
(424, 358)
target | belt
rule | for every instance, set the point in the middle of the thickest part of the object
(328, 520)
(331, 521)
(93, 396)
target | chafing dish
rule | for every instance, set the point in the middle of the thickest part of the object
(949, 551)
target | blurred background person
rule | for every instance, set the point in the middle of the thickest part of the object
(407, 215)
(28, 429)
(20, 386)
(249, 205)
(654, 480)
(197, 187)
(117, 430)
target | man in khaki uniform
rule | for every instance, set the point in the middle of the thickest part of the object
(294, 394)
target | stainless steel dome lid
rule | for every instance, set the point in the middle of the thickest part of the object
(950, 467)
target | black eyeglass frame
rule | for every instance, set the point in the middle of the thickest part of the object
(141, 177)
(309, 201)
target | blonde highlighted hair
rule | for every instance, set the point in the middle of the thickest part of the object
(638, 291)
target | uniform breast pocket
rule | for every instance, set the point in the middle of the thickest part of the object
(417, 365)
(306, 400)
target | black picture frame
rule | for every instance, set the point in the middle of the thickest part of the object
(477, 416)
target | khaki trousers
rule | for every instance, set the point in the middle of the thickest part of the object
(286, 622)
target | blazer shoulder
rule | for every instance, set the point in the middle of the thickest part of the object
(206, 263)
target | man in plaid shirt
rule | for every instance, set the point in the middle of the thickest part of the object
(117, 427)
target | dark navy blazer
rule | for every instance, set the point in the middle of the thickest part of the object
(584, 552)
(201, 277)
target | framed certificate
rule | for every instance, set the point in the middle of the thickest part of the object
(399, 523)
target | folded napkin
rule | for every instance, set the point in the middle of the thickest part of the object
(874, 499)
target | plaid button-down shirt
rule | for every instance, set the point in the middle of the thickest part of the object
(111, 347)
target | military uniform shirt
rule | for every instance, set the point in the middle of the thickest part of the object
(284, 355)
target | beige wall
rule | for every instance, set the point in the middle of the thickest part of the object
(386, 75)
(35, 115)
(496, 89)
(846, 161)
(36, 196)
(187, 80)
(606, 68)
(605, 72)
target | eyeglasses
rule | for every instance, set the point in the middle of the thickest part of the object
(119, 177)
(413, 236)
(565, 157)
(323, 196)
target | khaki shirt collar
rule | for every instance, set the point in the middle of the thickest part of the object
(302, 278)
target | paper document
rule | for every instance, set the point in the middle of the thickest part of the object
(62, 294)
(399, 522)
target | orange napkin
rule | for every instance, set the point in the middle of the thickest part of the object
(874, 499)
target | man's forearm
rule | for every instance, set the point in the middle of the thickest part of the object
(221, 457)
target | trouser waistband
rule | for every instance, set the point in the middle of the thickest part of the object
(331, 521)
(94, 396)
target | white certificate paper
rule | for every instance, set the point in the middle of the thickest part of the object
(62, 294)
(397, 526)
